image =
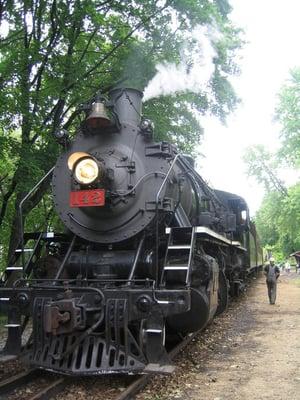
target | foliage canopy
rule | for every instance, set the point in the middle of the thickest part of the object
(278, 219)
(56, 55)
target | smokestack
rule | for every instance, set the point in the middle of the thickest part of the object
(127, 105)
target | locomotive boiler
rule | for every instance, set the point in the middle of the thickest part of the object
(148, 250)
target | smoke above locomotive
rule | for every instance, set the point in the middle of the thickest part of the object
(149, 251)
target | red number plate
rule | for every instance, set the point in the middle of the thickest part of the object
(87, 198)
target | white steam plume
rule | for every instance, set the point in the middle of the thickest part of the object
(194, 70)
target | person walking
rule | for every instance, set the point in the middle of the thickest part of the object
(287, 266)
(272, 273)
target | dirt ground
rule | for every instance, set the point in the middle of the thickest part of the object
(250, 352)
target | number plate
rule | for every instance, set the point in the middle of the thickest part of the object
(87, 198)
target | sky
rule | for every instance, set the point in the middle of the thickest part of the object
(272, 33)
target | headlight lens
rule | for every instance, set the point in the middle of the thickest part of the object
(86, 171)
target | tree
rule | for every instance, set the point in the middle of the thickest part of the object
(289, 221)
(278, 221)
(272, 218)
(278, 218)
(263, 166)
(288, 115)
(57, 54)
(266, 219)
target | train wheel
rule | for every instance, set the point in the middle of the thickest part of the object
(144, 332)
(222, 293)
(143, 335)
(152, 342)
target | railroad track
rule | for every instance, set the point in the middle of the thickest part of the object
(6, 359)
(135, 387)
(16, 385)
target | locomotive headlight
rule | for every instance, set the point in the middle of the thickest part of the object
(86, 171)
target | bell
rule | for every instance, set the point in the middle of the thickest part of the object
(98, 117)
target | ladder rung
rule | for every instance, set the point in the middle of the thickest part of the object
(178, 230)
(12, 325)
(20, 250)
(14, 269)
(180, 247)
(176, 268)
(153, 330)
(4, 298)
(49, 235)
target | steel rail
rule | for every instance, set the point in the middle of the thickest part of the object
(18, 381)
(135, 387)
(51, 390)
(8, 385)
(5, 358)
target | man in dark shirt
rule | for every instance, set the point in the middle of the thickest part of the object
(272, 273)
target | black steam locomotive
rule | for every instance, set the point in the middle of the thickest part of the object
(149, 250)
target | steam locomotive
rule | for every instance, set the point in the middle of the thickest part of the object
(149, 250)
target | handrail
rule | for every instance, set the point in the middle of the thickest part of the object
(156, 215)
(21, 210)
(204, 186)
(136, 258)
(166, 178)
(26, 267)
(66, 257)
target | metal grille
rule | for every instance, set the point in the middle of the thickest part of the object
(115, 351)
